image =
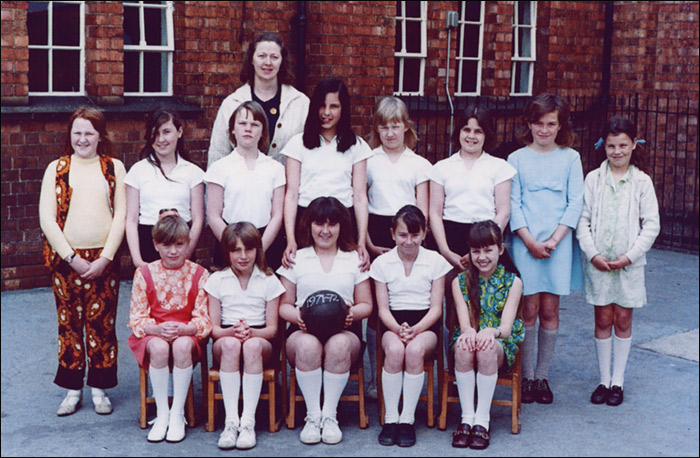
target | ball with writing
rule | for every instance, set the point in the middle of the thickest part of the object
(324, 314)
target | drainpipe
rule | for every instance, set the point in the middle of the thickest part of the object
(301, 46)
(450, 23)
(607, 54)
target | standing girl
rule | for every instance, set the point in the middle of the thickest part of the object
(619, 224)
(82, 209)
(410, 286)
(247, 185)
(329, 160)
(396, 176)
(327, 261)
(169, 315)
(486, 300)
(243, 307)
(546, 203)
(164, 178)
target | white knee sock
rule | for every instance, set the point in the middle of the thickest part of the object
(621, 350)
(546, 342)
(181, 383)
(252, 385)
(528, 353)
(391, 390)
(603, 349)
(485, 386)
(333, 386)
(310, 386)
(466, 383)
(230, 388)
(159, 383)
(412, 386)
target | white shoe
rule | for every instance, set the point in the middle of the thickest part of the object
(246, 437)
(311, 434)
(331, 432)
(160, 427)
(227, 440)
(102, 404)
(176, 427)
(70, 404)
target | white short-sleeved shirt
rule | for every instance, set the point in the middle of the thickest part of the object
(393, 184)
(247, 193)
(157, 192)
(409, 292)
(243, 304)
(324, 170)
(309, 276)
(469, 194)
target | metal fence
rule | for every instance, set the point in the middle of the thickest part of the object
(669, 127)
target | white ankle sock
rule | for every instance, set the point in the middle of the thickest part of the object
(412, 386)
(485, 386)
(159, 383)
(333, 386)
(181, 383)
(466, 382)
(230, 388)
(310, 386)
(252, 385)
(391, 390)
(621, 351)
(603, 349)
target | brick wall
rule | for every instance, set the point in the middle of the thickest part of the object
(15, 55)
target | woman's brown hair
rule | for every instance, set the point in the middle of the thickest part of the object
(250, 238)
(540, 106)
(97, 119)
(323, 209)
(258, 114)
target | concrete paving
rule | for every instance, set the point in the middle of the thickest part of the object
(659, 416)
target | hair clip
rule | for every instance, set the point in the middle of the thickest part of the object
(599, 143)
(642, 142)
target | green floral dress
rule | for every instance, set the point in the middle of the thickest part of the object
(494, 293)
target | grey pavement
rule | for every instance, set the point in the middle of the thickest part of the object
(659, 416)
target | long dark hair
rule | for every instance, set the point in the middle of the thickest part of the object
(540, 106)
(312, 127)
(618, 125)
(323, 209)
(157, 118)
(485, 121)
(284, 76)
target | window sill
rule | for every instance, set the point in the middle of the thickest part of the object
(46, 108)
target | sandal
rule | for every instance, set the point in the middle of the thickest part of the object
(480, 438)
(462, 437)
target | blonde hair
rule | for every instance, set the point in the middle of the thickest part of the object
(388, 110)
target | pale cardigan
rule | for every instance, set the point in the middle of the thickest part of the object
(643, 223)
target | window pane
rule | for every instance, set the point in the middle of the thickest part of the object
(155, 72)
(412, 9)
(399, 36)
(413, 36)
(38, 70)
(411, 75)
(522, 77)
(66, 24)
(38, 23)
(155, 25)
(524, 13)
(131, 26)
(399, 9)
(524, 42)
(471, 41)
(66, 70)
(472, 12)
(469, 76)
(131, 72)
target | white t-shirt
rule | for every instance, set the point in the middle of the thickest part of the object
(157, 192)
(309, 276)
(469, 194)
(243, 304)
(247, 193)
(409, 292)
(393, 184)
(324, 170)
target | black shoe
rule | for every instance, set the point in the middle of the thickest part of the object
(406, 437)
(543, 395)
(600, 395)
(615, 396)
(388, 434)
(528, 391)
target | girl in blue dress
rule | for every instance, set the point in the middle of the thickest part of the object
(546, 203)
(486, 302)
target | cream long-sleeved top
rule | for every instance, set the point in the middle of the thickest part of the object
(90, 223)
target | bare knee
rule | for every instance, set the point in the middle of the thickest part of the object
(158, 352)
(182, 352)
(487, 359)
(464, 359)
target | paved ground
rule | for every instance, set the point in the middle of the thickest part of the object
(658, 418)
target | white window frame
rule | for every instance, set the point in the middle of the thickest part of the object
(460, 52)
(402, 55)
(517, 59)
(51, 47)
(143, 47)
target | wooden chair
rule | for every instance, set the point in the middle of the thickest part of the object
(506, 377)
(272, 370)
(357, 374)
(190, 414)
(428, 367)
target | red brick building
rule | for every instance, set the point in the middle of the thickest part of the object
(127, 58)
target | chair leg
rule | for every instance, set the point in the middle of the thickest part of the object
(442, 422)
(292, 399)
(211, 405)
(431, 399)
(143, 388)
(364, 419)
(272, 406)
(189, 407)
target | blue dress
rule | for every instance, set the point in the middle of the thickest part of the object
(547, 191)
